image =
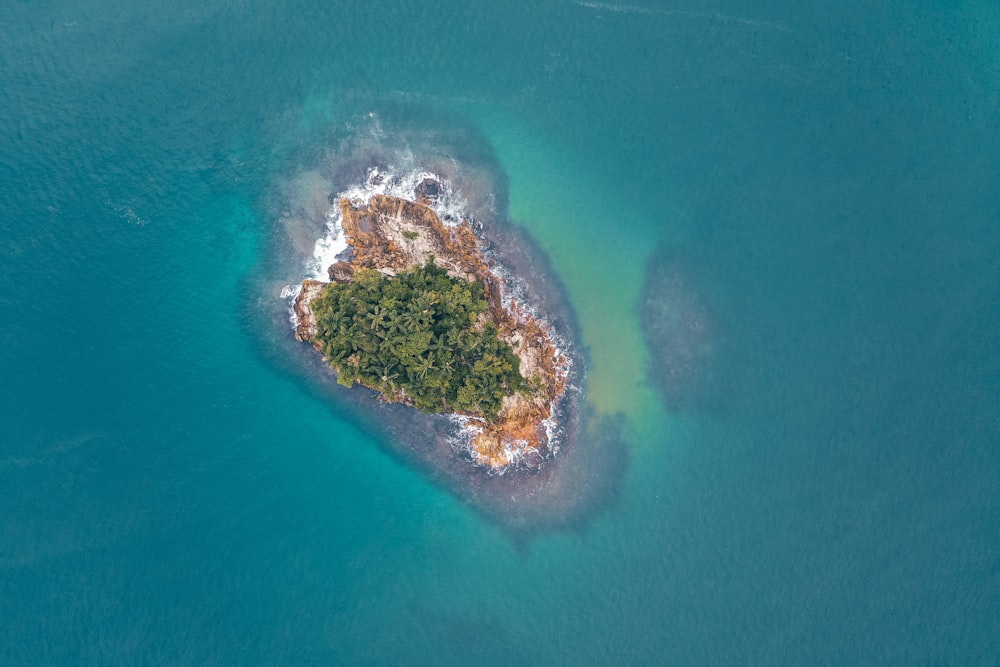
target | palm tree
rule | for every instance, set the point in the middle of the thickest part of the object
(436, 344)
(377, 317)
(424, 365)
(387, 375)
(394, 325)
(408, 321)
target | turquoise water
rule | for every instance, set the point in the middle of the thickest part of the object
(823, 179)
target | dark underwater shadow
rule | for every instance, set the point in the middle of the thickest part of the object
(686, 324)
(564, 492)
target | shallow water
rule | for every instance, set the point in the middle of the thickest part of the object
(174, 492)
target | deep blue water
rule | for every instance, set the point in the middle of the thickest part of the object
(822, 179)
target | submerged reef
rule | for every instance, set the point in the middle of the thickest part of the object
(680, 322)
(445, 335)
(402, 188)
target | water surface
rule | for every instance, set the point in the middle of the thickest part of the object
(174, 494)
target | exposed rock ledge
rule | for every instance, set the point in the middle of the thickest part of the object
(391, 234)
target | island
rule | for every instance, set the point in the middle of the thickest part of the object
(417, 311)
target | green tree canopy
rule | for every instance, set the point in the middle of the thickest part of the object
(417, 337)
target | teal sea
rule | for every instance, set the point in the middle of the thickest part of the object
(777, 224)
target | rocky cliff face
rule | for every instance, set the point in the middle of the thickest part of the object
(391, 234)
(305, 330)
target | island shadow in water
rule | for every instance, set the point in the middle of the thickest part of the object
(682, 322)
(563, 492)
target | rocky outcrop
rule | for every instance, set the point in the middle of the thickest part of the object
(305, 330)
(341, 272)
(428, 190)
(390, 234)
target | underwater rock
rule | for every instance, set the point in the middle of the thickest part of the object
(682, 332)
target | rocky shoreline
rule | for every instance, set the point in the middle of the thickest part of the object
(391, 234)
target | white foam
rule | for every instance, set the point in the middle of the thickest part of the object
(449, 205)
(552, 434)
(291, 292)
(328, 246)
(466, 430)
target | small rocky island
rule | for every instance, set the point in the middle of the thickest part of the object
(416, 311)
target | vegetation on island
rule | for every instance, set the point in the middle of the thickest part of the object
(417, 337)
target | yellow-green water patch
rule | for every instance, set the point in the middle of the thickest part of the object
(598, 247)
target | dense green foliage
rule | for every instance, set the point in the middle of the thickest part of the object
(415, 336)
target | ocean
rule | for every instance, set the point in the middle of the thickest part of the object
(775, 225)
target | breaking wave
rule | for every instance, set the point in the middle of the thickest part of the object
(449, 206)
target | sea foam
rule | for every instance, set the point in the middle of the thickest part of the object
(449, 206)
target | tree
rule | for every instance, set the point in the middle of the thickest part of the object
(418, 337)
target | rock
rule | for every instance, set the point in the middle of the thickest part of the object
(306, 328)
(341, 272)
(428, 189)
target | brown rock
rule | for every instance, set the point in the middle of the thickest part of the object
(428, 189)
(306, 328)
(341, 272)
